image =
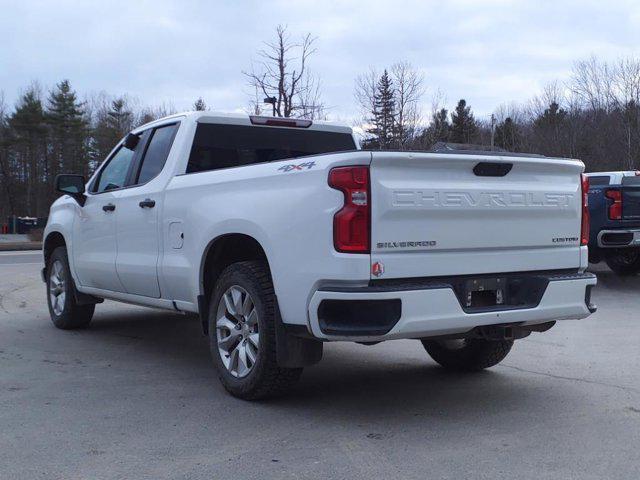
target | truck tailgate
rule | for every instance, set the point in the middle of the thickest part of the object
(433, 215)
(631, 198)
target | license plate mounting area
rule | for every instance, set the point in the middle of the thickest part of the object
(484, 292)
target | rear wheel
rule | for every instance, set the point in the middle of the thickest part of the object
(242, 334)
(467, 354)
(624, 261)
(63, 307)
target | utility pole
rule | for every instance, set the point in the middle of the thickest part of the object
(272, 101)
(493, 129)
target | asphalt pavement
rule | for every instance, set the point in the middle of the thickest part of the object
(135, 397)
(30, 257)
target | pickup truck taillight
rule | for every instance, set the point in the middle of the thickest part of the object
(351, 224)
(584, 228)
(615, 209)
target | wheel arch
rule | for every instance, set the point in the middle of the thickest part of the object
(221, 252)
(293, 351)
(52, 241)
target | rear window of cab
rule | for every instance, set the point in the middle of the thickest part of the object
(225, 146)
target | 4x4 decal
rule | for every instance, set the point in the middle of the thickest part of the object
(299, 166)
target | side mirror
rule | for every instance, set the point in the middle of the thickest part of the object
(71, 185)
(131, 141)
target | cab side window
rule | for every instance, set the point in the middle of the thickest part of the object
(114, 174)
(156, 153)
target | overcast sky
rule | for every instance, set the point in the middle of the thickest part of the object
(488, 52)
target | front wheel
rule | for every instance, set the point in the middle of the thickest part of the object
(467, 354)
(624, 261)
(64, 310)
(242, 336)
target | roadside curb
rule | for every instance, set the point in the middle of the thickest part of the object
(15, 247)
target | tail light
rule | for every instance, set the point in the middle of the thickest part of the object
(352, 223)
(584, 229)
(615, 209)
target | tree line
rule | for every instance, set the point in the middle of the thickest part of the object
(594, 115)
(56, 132)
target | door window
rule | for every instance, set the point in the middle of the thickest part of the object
(114, 174)
(157, 153)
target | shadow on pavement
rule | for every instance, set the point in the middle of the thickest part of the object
(353, 383)
(612, 281)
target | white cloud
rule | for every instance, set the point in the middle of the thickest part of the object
(489, 52)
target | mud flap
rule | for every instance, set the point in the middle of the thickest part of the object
(203, 313)
(294, 351)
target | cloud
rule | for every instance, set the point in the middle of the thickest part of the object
(489, 52)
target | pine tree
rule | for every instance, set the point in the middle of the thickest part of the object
(67, 131)
(383, 116)
(112, 124)
(464, 128)
(29, 140)
(552, 117)
(441, 125)
(437, 131)
(119, 118)
(507, 135)
(550, 129)
(199, 105)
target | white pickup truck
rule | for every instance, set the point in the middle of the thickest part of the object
(282, 235)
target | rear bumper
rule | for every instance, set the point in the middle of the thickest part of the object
(619, 238)
(418, 311)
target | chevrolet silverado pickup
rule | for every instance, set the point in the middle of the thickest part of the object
(614, 207)
(282, 235)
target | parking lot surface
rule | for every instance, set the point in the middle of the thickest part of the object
(135, 396)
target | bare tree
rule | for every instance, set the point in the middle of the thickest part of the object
(255, 105)
(145, 114)
(311, 106)
(592, 83)
(282, 74)
(408, 87)
(552, 92)
(626, 80)
(365, 92)
(626, 75)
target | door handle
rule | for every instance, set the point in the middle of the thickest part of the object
(109, 207)
(147, 203)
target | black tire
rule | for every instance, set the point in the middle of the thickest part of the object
(70, 315)
(265, 379)
(624, 261)
(467, 355)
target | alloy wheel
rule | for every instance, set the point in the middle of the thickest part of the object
(57, 287)
(237, 331)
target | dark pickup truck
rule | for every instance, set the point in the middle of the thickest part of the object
(614, 207)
